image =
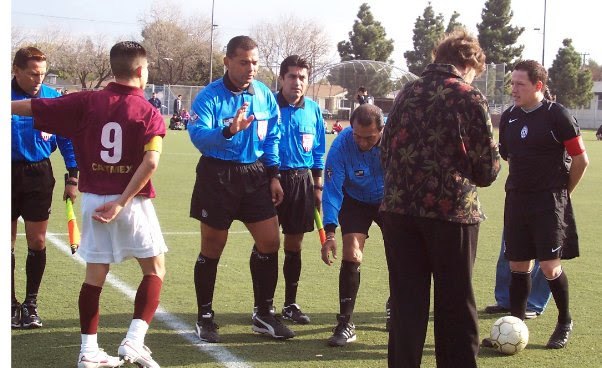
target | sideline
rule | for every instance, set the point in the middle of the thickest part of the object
(219, 353)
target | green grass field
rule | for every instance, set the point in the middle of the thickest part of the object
(57, 343)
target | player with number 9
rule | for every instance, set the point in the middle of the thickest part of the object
(117, 137)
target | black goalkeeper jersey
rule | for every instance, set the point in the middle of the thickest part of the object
(532, 143)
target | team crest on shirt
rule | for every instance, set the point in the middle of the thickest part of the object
(329, 173)
(523, 132)
(359, 173)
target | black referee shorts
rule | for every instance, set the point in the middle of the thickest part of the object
(357, 217)
(225, 191)
(534, 225)
(32, 184)
(296, 212)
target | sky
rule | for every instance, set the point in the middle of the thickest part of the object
(574, 19)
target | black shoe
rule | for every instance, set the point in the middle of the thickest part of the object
(270, 325)
(29, 316)
(206, 329)
(560, 336)
(388, 312)
(487, 343)
(496, 309)
(15, 315)
(343, 333)
(292, 312)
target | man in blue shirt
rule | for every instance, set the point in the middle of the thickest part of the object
(155, 101)
(302, 148)
(234, 124)
(32, 180)
(353, 190)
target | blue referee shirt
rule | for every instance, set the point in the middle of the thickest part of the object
(303, 137)
(27, 144)
(358, 174)
(214, 109)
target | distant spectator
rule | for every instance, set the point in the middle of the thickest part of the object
(177, 105)
(599, 133)
(363, 97)
(337, 127)
(175, 123)
(185, 118)
(155, 101)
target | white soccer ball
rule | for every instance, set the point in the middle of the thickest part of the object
(509, 335)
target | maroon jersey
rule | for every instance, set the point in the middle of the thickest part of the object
(109, 130)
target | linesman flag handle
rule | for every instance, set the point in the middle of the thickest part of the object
(320, 227)
(74, 235)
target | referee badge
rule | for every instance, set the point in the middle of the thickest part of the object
(523, 132)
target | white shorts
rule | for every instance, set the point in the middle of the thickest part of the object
(135, 232)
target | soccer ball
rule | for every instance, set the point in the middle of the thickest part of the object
(509, 335)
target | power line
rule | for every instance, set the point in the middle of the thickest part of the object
(73, 18)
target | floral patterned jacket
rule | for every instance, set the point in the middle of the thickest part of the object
(437, 147)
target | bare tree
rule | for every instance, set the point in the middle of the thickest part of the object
(291, 35)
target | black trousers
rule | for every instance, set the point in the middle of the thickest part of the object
(416, 249)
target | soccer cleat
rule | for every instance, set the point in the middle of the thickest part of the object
(29, 316)
(206, 328)
(560, 336)
(487, 343)
(272, 311)
(270, 325)
(293, 313)
(496, 309)
(531, 314)
(15, 315)
(343, 333)
(98, 359)
(388, 312)
(138, 354)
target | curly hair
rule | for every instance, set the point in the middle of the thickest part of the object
(460, 48)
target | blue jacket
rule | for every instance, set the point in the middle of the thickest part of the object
(213, 110)
(27, 144)
(352, 172)
(303, 137)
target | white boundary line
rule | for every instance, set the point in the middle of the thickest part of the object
(221, 354)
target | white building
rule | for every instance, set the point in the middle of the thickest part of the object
(590, 117)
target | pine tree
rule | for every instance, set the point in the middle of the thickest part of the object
(453, 23)
(496, 36)
(428, 29)
(571, 83)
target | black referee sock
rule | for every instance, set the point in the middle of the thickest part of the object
(292, 273)
(560, 291)
(12, 277)
(264, 272)
(349, 284)
(520, 287)
(34, 269)
(205, 271)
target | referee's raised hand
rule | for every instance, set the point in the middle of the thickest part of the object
(241, 121)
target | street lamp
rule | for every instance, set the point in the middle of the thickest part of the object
(543, 32)
(211, 44)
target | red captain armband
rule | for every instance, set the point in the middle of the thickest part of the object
(574, 146)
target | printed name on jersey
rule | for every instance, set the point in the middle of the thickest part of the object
(359, 173)
(523, 132)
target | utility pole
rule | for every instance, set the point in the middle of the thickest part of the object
(211, 44)
(584, 54)
(543, 47)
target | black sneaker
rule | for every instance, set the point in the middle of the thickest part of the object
(560, 336)
(272, 311)
(270, 325)
(206, 329)
(487, 343)
(293, 313)
(343, 333)
(388, 312)
(29, 316)
(496, 309)
(15, 315)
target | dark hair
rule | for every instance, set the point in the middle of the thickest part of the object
(123, 57)
(26, 54)
(240, 42)
(535, 71)
(367, 114)
(460, 48)
(362, 89)
(294, 60)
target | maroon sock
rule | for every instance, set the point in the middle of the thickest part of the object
(89, 301)
(147, 298)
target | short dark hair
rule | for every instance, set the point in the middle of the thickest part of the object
(294, 60)
(460, 48)
(240, 42)
(362, 89)
(26, 54)
(535, 71)
(368, 114)
(123, 56)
